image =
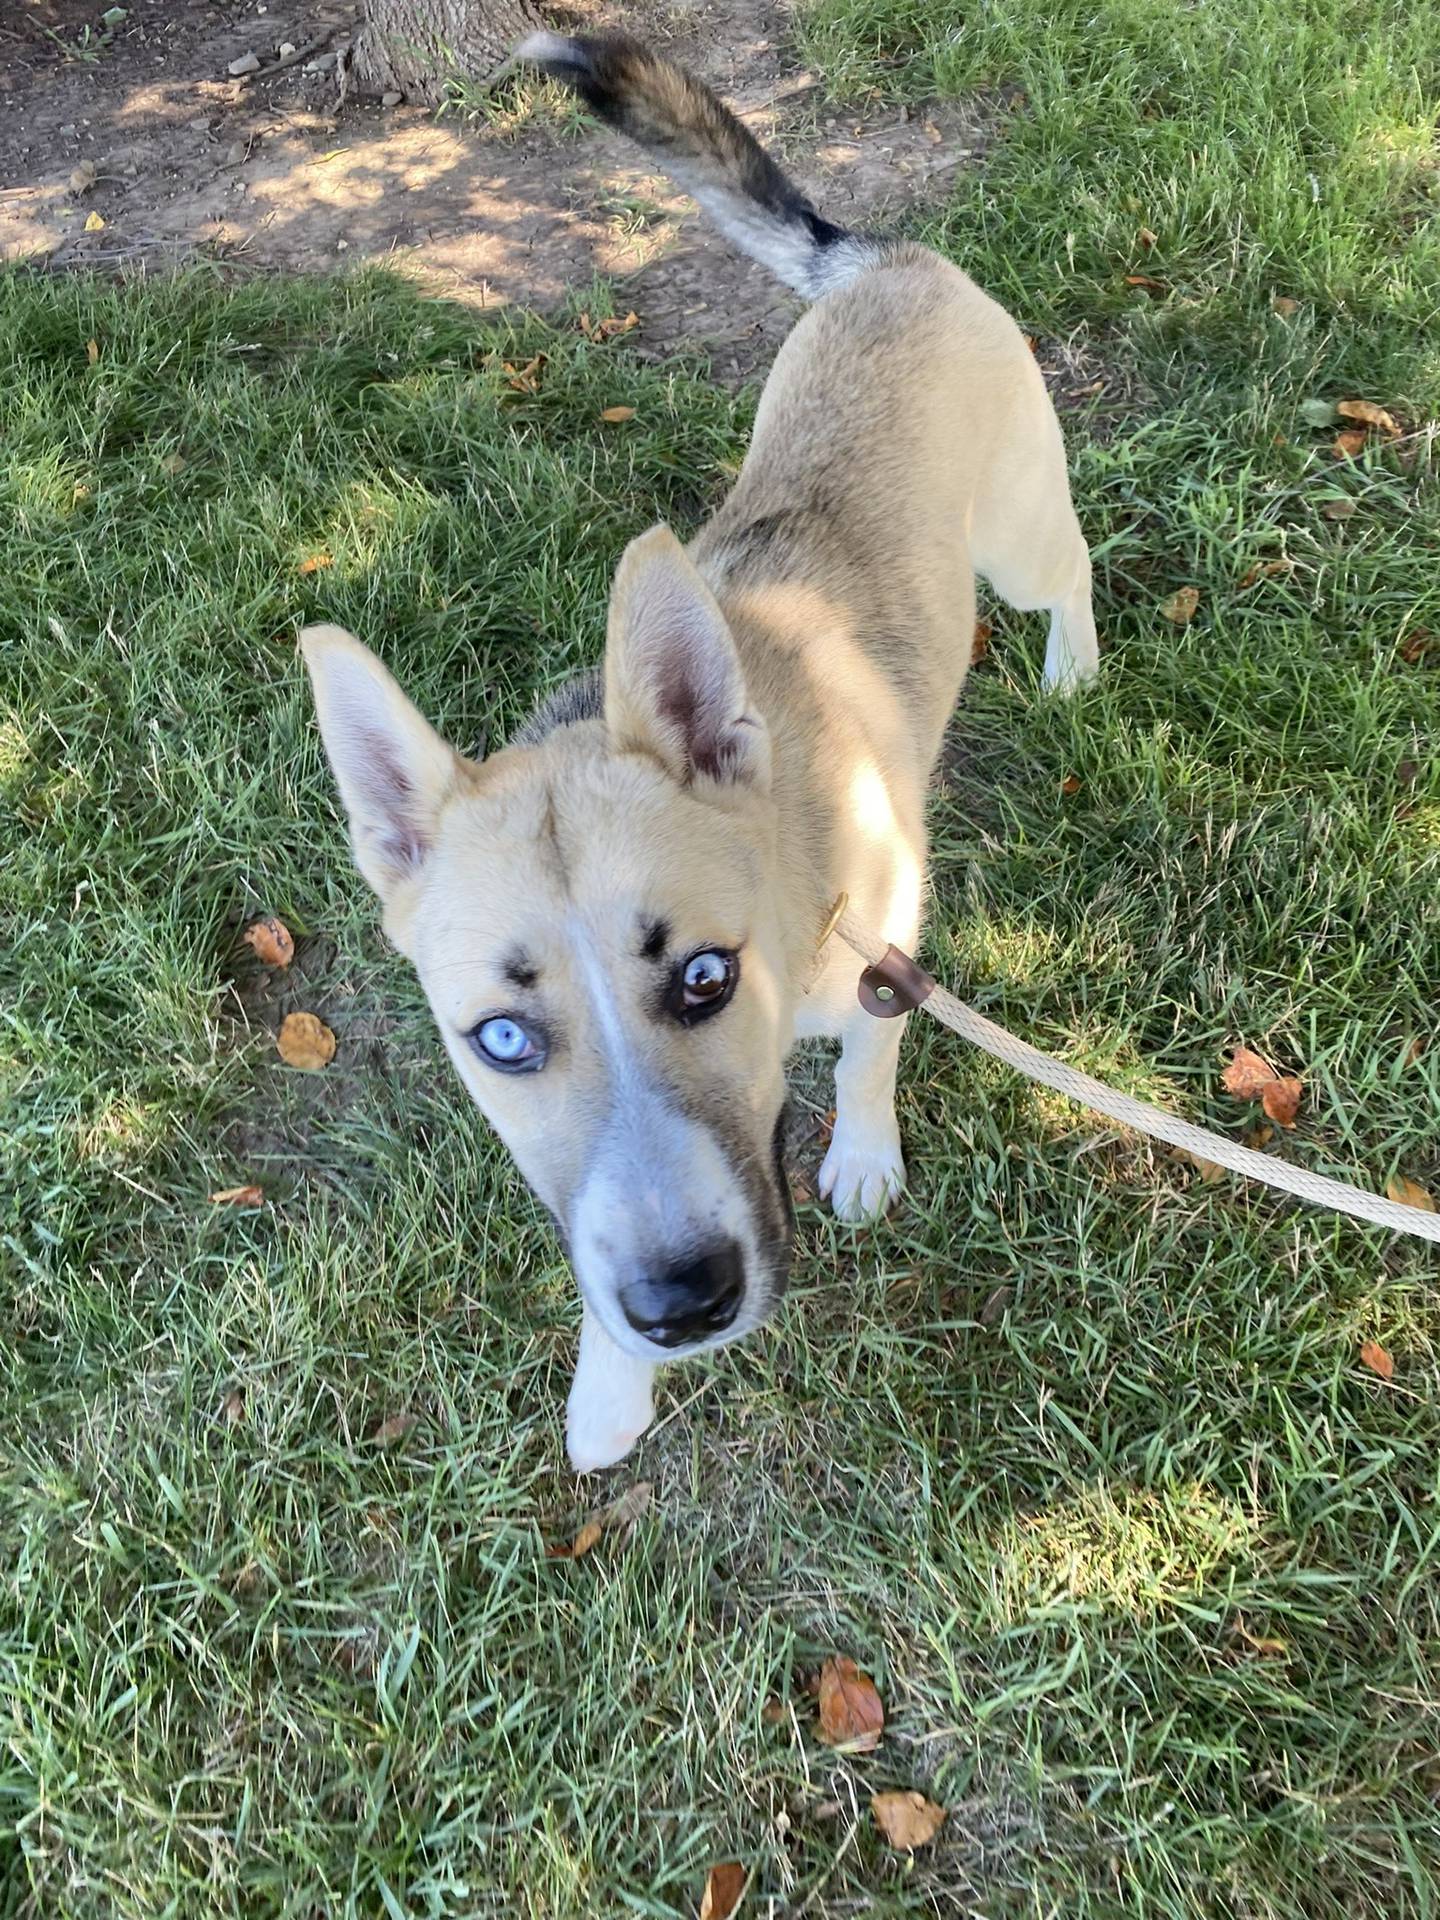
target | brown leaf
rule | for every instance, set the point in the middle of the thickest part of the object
(1263, 570)
(932, 132)
(1368, 414)
(609, 329)
(1072, 783)
(907, 1820)
(1348, 445)
(980, 645)
(305, 1042)
(1147, 238)
(1407, 1193)
(392, 1429)
(851, 1714)
(92, 351)
(238, 1197)
(723, 1887)
(774, 1713)
(1144, 280)
(585, 1539)
(1338, 509)
(232, 1407)
(524, 379)
(1181, 607)
(1415, 1050)
(316, 563)
(614, 414)
(1209, 1170)
(1416, 643)
(1247, 1075)
(271, 940)
(629, 1507)
(1282, 304)
(1274, 1648)
(1281, 1101)
(1377, 1359)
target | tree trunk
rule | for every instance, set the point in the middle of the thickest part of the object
(416, 47)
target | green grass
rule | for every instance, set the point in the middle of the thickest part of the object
(1033, 1453)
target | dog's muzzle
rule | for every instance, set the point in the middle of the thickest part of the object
(688, 1302)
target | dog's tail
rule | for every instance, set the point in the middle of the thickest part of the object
(707, 151)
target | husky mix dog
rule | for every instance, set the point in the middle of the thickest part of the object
(615, 917)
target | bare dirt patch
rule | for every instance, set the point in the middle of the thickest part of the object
(275, 172)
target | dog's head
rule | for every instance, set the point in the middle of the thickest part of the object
(594, 919)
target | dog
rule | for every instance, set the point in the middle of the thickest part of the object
(615, 917)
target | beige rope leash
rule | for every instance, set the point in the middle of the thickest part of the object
(892, 984)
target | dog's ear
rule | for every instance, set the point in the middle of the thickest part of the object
(673, 684)
(394, 771)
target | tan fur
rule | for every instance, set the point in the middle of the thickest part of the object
(903, 443)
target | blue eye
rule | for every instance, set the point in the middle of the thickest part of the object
(504, 1043)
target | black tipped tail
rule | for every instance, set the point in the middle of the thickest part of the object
(707, 151)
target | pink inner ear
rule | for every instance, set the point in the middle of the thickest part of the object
(391, 795)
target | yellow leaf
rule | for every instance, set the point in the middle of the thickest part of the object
(92, 351)
(238, 1197)
(1405, 1193)
(907, 1820)
(93, 223)
(305, 1042)
(1368, 414)
(1181, 607)
(585, 1539)
(618, 413)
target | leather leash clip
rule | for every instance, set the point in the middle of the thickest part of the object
(894, 985)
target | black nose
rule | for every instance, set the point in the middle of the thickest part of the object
(684, 1303)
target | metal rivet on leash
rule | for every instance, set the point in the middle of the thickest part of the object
(892, 984)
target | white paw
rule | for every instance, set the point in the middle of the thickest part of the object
(611, 1402)
(863, 1174)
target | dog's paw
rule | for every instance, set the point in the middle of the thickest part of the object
(863, 1174)
(592, 1444)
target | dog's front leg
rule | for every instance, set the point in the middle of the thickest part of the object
(610, 1404)
(863, 1173)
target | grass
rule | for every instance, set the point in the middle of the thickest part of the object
(1077, 1456)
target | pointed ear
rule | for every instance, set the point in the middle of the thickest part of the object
(394, 771)
(673, 684)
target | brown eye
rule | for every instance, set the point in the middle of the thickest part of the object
(703, 984)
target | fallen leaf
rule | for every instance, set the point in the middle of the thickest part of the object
(774, 1713)
(1072, 783)
(614, 414)
(1247, 1075)
(1408, 1193)
(271, 940)
(1209, 1170)
(1144, 281)
(932, 132)
(1181, 607)
(1282, 304)
(1347, 445)
(93, 223)
(1273, 1648)
(1338, 509)
(1258, 1138)
(1317, 413)
(980, 645)
(1147, 238)
(723, 1887)
(232, 1407)
(315, 562)
(1368, 414)
(394, 1428)
(907, 1820)
(585, 1539)
(92, 351)
(524, 379)
(1281, 1101)
(628, 1508)
(1263, 570)
(1416, 643)
(305, 1042)
(238, 1197)
(608, 329)
(851, 1714)
(1377, 1359)
(1415, 1049)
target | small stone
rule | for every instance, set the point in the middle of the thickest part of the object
(391, 98)
(322, 63)
(285, 49)
(202, 125)
(342, 246)
(236, 153)
(247, 63)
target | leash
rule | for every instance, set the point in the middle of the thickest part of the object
(892, 984)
